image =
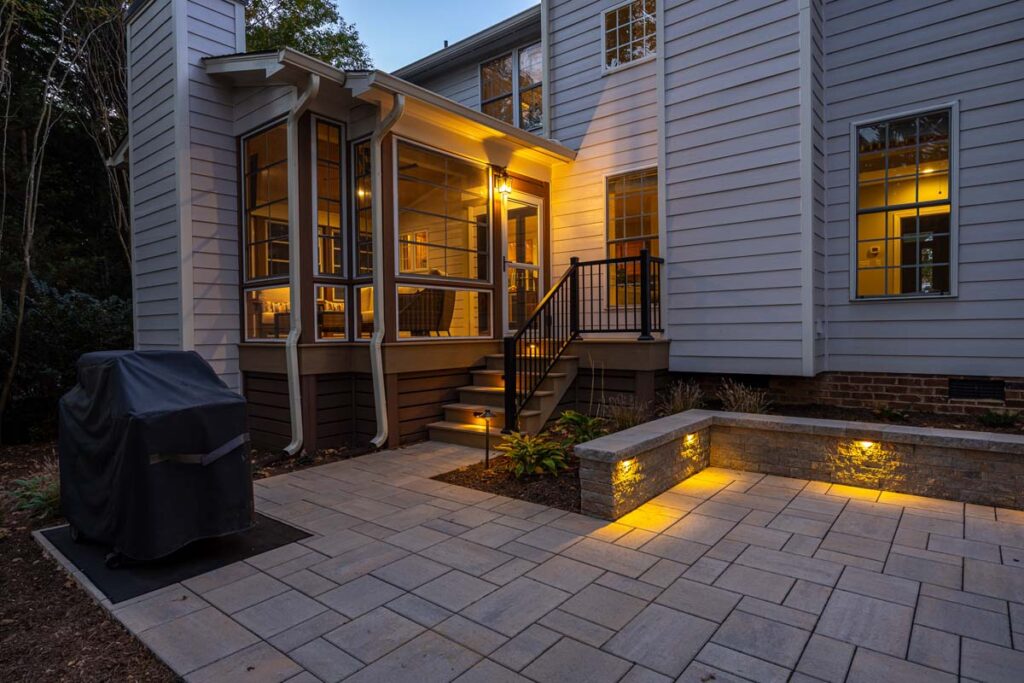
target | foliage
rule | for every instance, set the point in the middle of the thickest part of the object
(998, 419)
(576, 427)
(680, 396)
(533, 454)
(739, 398)
(892, 414)
(39, 492)
(314, 27)
(58, 328)
(626, 410)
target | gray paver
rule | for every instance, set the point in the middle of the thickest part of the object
(455, 590)
(964, 620)
(309, 583)
(937, 649)
(760, 584)
(706, 570)
(604, 606)
(490, 672)
(865, 525)
(568, 575)
(325, 661)
(996, 580)
(699, 599)
(568, 660)
(611, 557)
(525, 647)
(762, 638)
(701, 528)
(161, 607)
(640, 674)
(624, 584)
(676, 549)
(471, 558)
(374, 634)
(776, 612)
(808, 597)
(358, 561)
(549, 538)
(416, 538)
(194, 640)
(428, 658)
(259, 663)
(245, 592)
(300, 634)
(410, 571)
(516, 605)
(492, 535)
(419, 610)
(512, 569)
(808, 568)
(872, 667)
(699, 672)
(882, 586)
(359, 596)
(738, 663)
(826, 659)
(471, 635)
(872, 623)
(923, 570)
(759, 536)
(577, 628)
(662, 639)
(987, 662)
(663, 573)
(204, 583)
(279, 613)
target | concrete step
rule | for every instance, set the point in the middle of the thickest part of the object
(496, 361)
(496, 378)
(466, 413)
(463, 434)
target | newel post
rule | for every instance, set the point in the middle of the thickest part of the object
(574, 297)
(645, 296)
(511, 418)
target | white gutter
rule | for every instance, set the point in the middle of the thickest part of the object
(294, 264)
(377, 195)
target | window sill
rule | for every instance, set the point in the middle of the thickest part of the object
(907, 297)
(609, 70)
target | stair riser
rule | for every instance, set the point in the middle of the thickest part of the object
(561, 365)
(481, 379)
(529, 423)
(471, 439)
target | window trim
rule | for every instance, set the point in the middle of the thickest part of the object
(417, 280)
(608, 241)
(516, 91)
(245, 316)
(954, 201)
(257, 282)
(430, 285)
(353, 211)
(314, 197)
(607, 70)
(345, 326)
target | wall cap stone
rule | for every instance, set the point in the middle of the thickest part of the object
(630, 442)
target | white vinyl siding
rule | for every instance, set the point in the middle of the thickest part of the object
(894, 57)
(461, 84)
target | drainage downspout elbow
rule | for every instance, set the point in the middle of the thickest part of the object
(294, 265)
(376, 193)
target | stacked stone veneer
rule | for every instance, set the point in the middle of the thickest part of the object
(972, 467)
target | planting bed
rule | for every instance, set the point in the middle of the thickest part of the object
(562, 492)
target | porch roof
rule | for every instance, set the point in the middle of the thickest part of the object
(290, 67)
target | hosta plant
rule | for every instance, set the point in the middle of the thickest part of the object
(576, 427)
(533, 455)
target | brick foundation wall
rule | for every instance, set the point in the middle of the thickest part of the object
(877, 390)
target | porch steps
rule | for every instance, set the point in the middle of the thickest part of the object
(460, 424)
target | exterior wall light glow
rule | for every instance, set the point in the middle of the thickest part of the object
(690, 439)
(866, 445)
(502, 183)
(626, 466)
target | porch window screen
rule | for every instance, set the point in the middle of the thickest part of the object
(632, 215)
(903, 232)
(265, 234)
(362, 208)
(630, 33)
(328, 199)
(496, 88)
(443, 215)
(443, 312)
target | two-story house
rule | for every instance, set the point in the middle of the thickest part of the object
(821, 196)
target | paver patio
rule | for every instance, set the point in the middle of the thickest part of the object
(730, 575)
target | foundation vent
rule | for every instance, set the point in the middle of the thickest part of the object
(977, 389)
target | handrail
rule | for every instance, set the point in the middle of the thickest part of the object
(583, 300)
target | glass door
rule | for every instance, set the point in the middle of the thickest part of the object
(523, 258)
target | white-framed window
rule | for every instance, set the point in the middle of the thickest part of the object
(328, 181)
(631, 214)
(430, 312)
(511, 87)
(903, 187)
(331, 313)
(630, 33)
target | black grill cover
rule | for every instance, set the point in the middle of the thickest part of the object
(153, 452)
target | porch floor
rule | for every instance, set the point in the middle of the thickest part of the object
(729, 575)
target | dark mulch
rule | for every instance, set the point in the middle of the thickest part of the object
(910, 418)
(50, 629)
(562, 492)
(269, 463)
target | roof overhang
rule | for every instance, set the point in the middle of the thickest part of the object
(290, 67)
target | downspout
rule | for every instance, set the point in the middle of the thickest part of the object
(376, 193)
(294, 265)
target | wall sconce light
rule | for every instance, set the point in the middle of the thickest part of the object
(690, 439)
(502, 183)
(486, 415)
(866, 445)
(626, 466)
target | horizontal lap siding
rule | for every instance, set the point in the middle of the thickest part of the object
(421, 396)
(267, 405)
(214, 176)
(895, 57)
(461, 84)
(335, 410)
(611, 120)
(733, 193)
(156, 291)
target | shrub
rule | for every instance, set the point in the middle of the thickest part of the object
(577, 428)
(625, 410)
(533, 454)
(39, 492)
(680, 396)
(998, 419)
(739, 398)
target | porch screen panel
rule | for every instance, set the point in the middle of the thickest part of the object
(443, 215)
(328, 199)
(903, 232)
(443, 312)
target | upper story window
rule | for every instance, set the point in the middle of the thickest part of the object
(328, 199)
(443, 215)
(630, 33)
(511, 87)
(903, 227)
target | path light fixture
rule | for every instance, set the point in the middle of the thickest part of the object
(486, 415)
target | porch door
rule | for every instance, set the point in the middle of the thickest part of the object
(523, 273)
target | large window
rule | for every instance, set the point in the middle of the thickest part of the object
(265, 233)
(443, 312)
(630, 33)
(443, 215)
(632, 215)
(328, 199)
(362, 208)
(903, 228)
(511, 87)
